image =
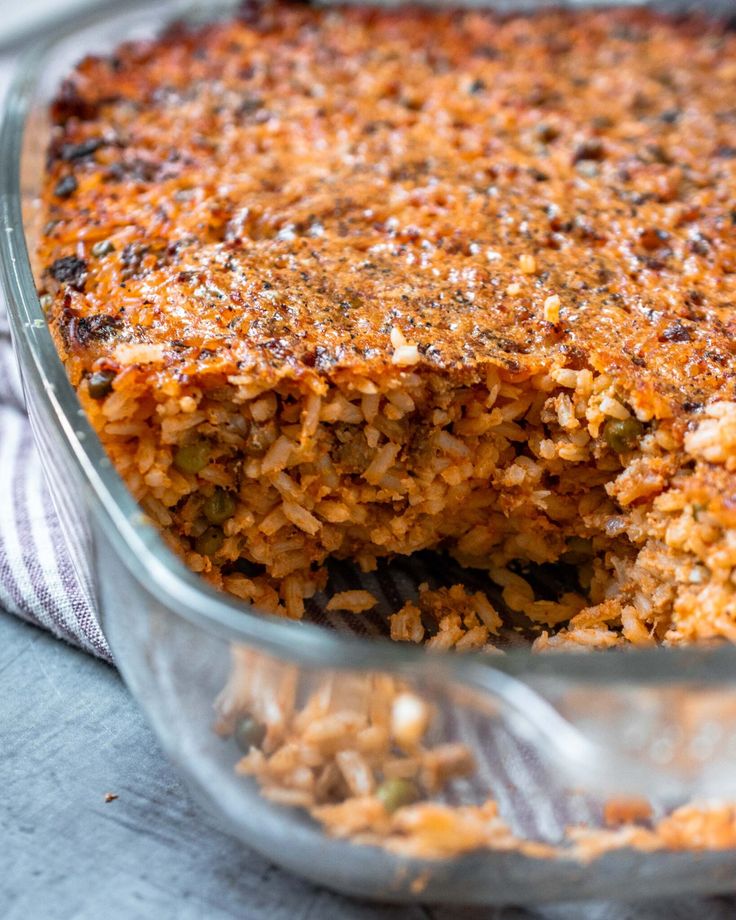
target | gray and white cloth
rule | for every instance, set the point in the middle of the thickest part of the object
(38, 580)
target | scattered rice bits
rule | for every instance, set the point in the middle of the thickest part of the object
(352, 601)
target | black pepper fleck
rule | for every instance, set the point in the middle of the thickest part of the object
(69, 270)
(65, 187)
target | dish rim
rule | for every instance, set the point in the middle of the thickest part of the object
(147, 557)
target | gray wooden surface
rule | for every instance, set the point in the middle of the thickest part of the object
(69, 734)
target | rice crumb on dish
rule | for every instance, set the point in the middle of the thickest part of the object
(626, 811)
(355, 753)
(459, 619)
(356, 601)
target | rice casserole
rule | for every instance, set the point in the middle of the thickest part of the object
(352, 283)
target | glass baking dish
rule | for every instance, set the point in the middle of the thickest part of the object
(553, 737)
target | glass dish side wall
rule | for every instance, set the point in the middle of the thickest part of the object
(172, 639)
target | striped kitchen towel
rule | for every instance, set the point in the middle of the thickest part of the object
(42, 579)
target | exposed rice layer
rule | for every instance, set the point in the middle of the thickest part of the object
(507, 468)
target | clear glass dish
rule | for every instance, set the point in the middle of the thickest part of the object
(552, 736)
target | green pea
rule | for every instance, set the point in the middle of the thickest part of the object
(396, 792)
(623, 434)
(219, 506)
(99, 384)
(258, 440)
(208, 543)
(248, 733)
(191, 458)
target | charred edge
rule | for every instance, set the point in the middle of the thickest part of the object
(70, 103)
(80, 332)
(69, 270)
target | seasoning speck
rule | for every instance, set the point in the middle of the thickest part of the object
(65, 187)
(69, 270)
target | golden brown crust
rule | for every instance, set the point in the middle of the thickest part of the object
(280, 194)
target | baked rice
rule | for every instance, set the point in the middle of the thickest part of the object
(354, 283)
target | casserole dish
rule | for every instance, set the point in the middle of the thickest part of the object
(550, 736)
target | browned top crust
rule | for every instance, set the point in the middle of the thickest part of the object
(277, 194)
